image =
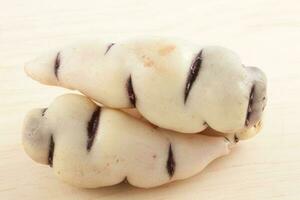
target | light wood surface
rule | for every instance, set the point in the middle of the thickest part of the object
(265, 33)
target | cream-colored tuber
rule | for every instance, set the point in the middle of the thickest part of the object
(89, 146)
(174, 85)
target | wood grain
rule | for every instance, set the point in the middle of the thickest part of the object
(265, 33)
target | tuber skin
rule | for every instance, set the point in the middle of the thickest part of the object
(173, 84)
(91, 146)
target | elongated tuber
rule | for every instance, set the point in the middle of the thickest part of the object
(90, 146)
(173, 84)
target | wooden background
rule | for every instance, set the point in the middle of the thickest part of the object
(266, 33)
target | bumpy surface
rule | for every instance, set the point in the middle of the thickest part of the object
(174, 85)
(90, 146)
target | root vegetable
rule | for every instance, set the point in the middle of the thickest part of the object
(173, 84)
(90, 146)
